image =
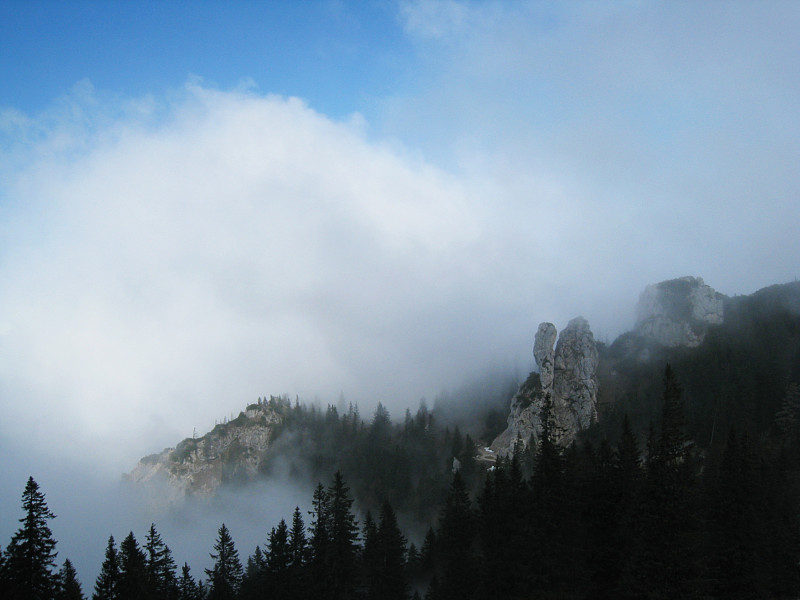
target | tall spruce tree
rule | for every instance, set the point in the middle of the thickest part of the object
(547, 494)
(160, 566)
(105, 586)
(298, 552)
(319, 542)
(132, 584)
(298, 545)
(389, 579)
(225, 577)
(187, 586)
(664, 563)
(279, 557)
(457, 560)
(69, 587)
(343, 558)
(369, 555)
(30, 555)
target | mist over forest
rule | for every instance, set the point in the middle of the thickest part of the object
(363, 211)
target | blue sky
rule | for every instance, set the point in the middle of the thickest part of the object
(206, 202)
(338, 56)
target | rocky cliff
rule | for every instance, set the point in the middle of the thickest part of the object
(669, 314)
(231, 452)
(567, 376)
(678, 312)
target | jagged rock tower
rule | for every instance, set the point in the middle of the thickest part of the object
(567, 375)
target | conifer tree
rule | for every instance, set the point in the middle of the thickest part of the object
(298, 555)
(547, 494)
(105, 587)
(458, 565)
(389, 581)
(254, 580)
(187, 586)
(427, 554)
(369, 554)
(319, 542)
(503, 531)
(278, 562)
(737, 565)
(30, 555)
(225, 577)
(663, 563)
(132, 584)
(279, 552)
(160, 566)
(298, 545)
(343, 556)
(69, 588)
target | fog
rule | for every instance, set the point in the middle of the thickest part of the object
(167, 258)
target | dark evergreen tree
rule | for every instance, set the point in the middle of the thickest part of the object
(547, 502)
(105, 587)
(225, 577)
(737, 556)
(279, 554)
(343, 556)
(664, 563)
(298, 545)
(4, 585)
(369, 555)
(503, 532)
(278, 563)
(427, 556)
(187, 586)
(133, 582)
(319, 542)
(455, 538)
(69, 587)
(255, 578)
(298, 555)
(30, 555)
(389, 581)
(160, 567)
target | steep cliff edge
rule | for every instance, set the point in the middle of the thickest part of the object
(678, 312)
(231, 452)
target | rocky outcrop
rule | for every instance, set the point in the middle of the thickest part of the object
(231, 452)
(567, 376)
(678, 312)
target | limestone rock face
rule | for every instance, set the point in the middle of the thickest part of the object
(567, 376)
(543, 353)
(678, 312)
(575, 379)
(231, 452)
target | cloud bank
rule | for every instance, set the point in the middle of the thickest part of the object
(166, 259)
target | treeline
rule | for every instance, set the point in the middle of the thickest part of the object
(618, 519)
(408, 462)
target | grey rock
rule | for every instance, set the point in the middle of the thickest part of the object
(544, 354)
(678, 312)
(198, 466)
(567, 376)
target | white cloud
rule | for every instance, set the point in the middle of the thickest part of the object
(229, 246)
(167, 259)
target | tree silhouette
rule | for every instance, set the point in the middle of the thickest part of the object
(30, 555)
(105, 586)
(69, 588)
(225, 577)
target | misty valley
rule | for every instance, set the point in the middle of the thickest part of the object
(665, 464)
